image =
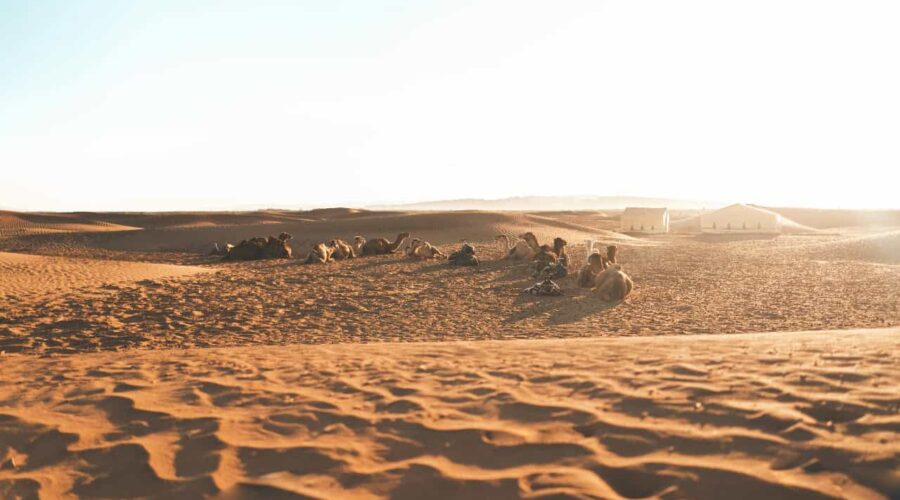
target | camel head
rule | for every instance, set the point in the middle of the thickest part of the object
(285, 236)
(532, 241)
(611, 252)
(559, 244)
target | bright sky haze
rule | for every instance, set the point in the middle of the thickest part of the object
(174, 105)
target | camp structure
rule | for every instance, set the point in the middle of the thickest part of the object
(743, 218)
(645, 220)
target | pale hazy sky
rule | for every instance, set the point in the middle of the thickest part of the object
(209, 104)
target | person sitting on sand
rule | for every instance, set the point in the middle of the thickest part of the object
(465, 256)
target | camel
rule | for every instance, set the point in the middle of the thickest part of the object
(613, 284)
(597, 263)
(381, 246)
(419, 249)
(342, 250)
(548, 256)
(277, 248)
(260, 248)
(411, 246)
(358, 243)
(611, 252)
(525, 248)
(551, 262)
(320, 253)
(559, 247)
(465, 256)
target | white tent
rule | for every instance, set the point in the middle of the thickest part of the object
(741, 218)
(645, 220)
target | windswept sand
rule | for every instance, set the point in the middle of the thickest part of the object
(13, 224)
(24, 275)
(778, 415)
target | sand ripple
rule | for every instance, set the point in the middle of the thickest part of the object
(783, 415)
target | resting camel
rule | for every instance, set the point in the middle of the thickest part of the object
(260, 248)
(611, 252)
(342, 250)
(419, 249)
(358, 242)
(587, 277)
(525, 248)
(613, 284)
(320, 253)
(548, 255)
(381, 246)
(465, 256)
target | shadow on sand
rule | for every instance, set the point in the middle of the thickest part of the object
(574, 305)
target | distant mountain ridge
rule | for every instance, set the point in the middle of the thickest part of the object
(552, 203)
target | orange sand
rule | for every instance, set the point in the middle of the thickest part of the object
(649, 412)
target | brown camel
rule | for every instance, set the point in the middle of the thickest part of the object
(277, 248)
(526, 248)
(548, 255)
(261, 248)
(422, 250)
(342, 250)
(319, 254)
(611, 252)
(613, 284)
(358, 243)
(381, 246)
(587, 277)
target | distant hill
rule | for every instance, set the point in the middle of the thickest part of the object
(551, 203)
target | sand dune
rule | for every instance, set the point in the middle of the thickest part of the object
(779, 415)
(197, 234)
(28, 275)
(20, 224)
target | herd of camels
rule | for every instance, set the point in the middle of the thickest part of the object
(602, 274)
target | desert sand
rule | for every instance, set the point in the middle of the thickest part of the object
(23, 275)
(135, 364)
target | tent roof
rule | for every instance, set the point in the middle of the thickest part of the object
(644, 211)
(740, 207)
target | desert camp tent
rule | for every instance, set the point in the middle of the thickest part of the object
(645, 220)
(741, 218)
